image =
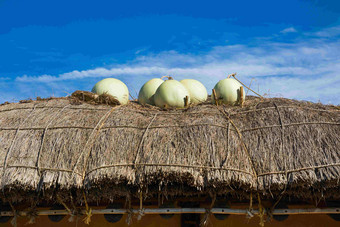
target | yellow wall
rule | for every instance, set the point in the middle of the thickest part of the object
(156, 220)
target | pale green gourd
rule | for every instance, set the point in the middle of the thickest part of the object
(147, 92)
(228, 92)
(198, 93)
(113, 87)
(171, 93)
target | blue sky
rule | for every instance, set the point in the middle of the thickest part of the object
(286, 48)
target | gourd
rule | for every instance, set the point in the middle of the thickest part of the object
(228, 91)
(113, 87)
(171, 93)
(197, 92)
(147, 92)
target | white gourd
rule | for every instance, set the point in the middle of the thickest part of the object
(228, 91)
(171, 93)
(113, 87)
(198, 93)
(147, 92)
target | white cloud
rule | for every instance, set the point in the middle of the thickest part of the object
(308, 69)
(328, 32)
(288, 30)
(4, 78)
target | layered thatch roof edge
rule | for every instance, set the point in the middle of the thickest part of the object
(270, 146)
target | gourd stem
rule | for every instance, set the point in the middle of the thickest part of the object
(169, 77)
(186, 101)
(241, 96)
(215, 98)
(230, 75)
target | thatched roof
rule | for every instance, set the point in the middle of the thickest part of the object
(269, 146)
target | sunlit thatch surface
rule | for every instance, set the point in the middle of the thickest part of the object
(59, 145)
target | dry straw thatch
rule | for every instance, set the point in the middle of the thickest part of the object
(268, 146)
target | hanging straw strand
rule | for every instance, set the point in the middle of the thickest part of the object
(251, 162)
(92, 140)
(205, 221)
(88, 211)
(234, 75)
